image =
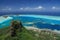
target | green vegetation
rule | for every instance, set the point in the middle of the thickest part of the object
(24, 35)
(17, 32)
(28, 35)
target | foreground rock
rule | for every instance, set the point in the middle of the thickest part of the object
(15, 25)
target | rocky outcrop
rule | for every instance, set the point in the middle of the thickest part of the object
(15, 26)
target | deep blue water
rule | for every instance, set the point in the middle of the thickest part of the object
(41, 25)
(47, 26)
(30, 13)
(25, 19)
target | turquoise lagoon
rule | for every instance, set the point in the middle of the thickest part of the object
(39, 21)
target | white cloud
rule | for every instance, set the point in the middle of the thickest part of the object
(26, 9)
(21, 8)
(9, 8)
(29, 8)
(39, 7)
(53, 7)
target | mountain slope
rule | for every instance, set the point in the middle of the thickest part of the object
(24, 35)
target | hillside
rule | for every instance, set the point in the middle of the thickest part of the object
(28, 35)
(24, 35)
(18, 32)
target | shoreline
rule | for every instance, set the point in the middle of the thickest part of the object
(39, 30)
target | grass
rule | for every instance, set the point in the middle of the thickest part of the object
(24, 35)
(27, 35)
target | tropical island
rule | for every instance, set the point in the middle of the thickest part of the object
(18, 32)
(29, 19)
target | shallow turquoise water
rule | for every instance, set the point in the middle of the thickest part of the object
(40, 21)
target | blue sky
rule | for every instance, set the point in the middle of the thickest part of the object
(30, 5)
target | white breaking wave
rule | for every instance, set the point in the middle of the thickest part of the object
(34, 28)
(44, 16)
(3, 19)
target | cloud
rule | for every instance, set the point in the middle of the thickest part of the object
(31, 9)
(53, 7)
(9, 9)
(21, 8)
(40, 7)
(26, 9)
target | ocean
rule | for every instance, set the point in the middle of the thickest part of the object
(36, 21)
(31, 13)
